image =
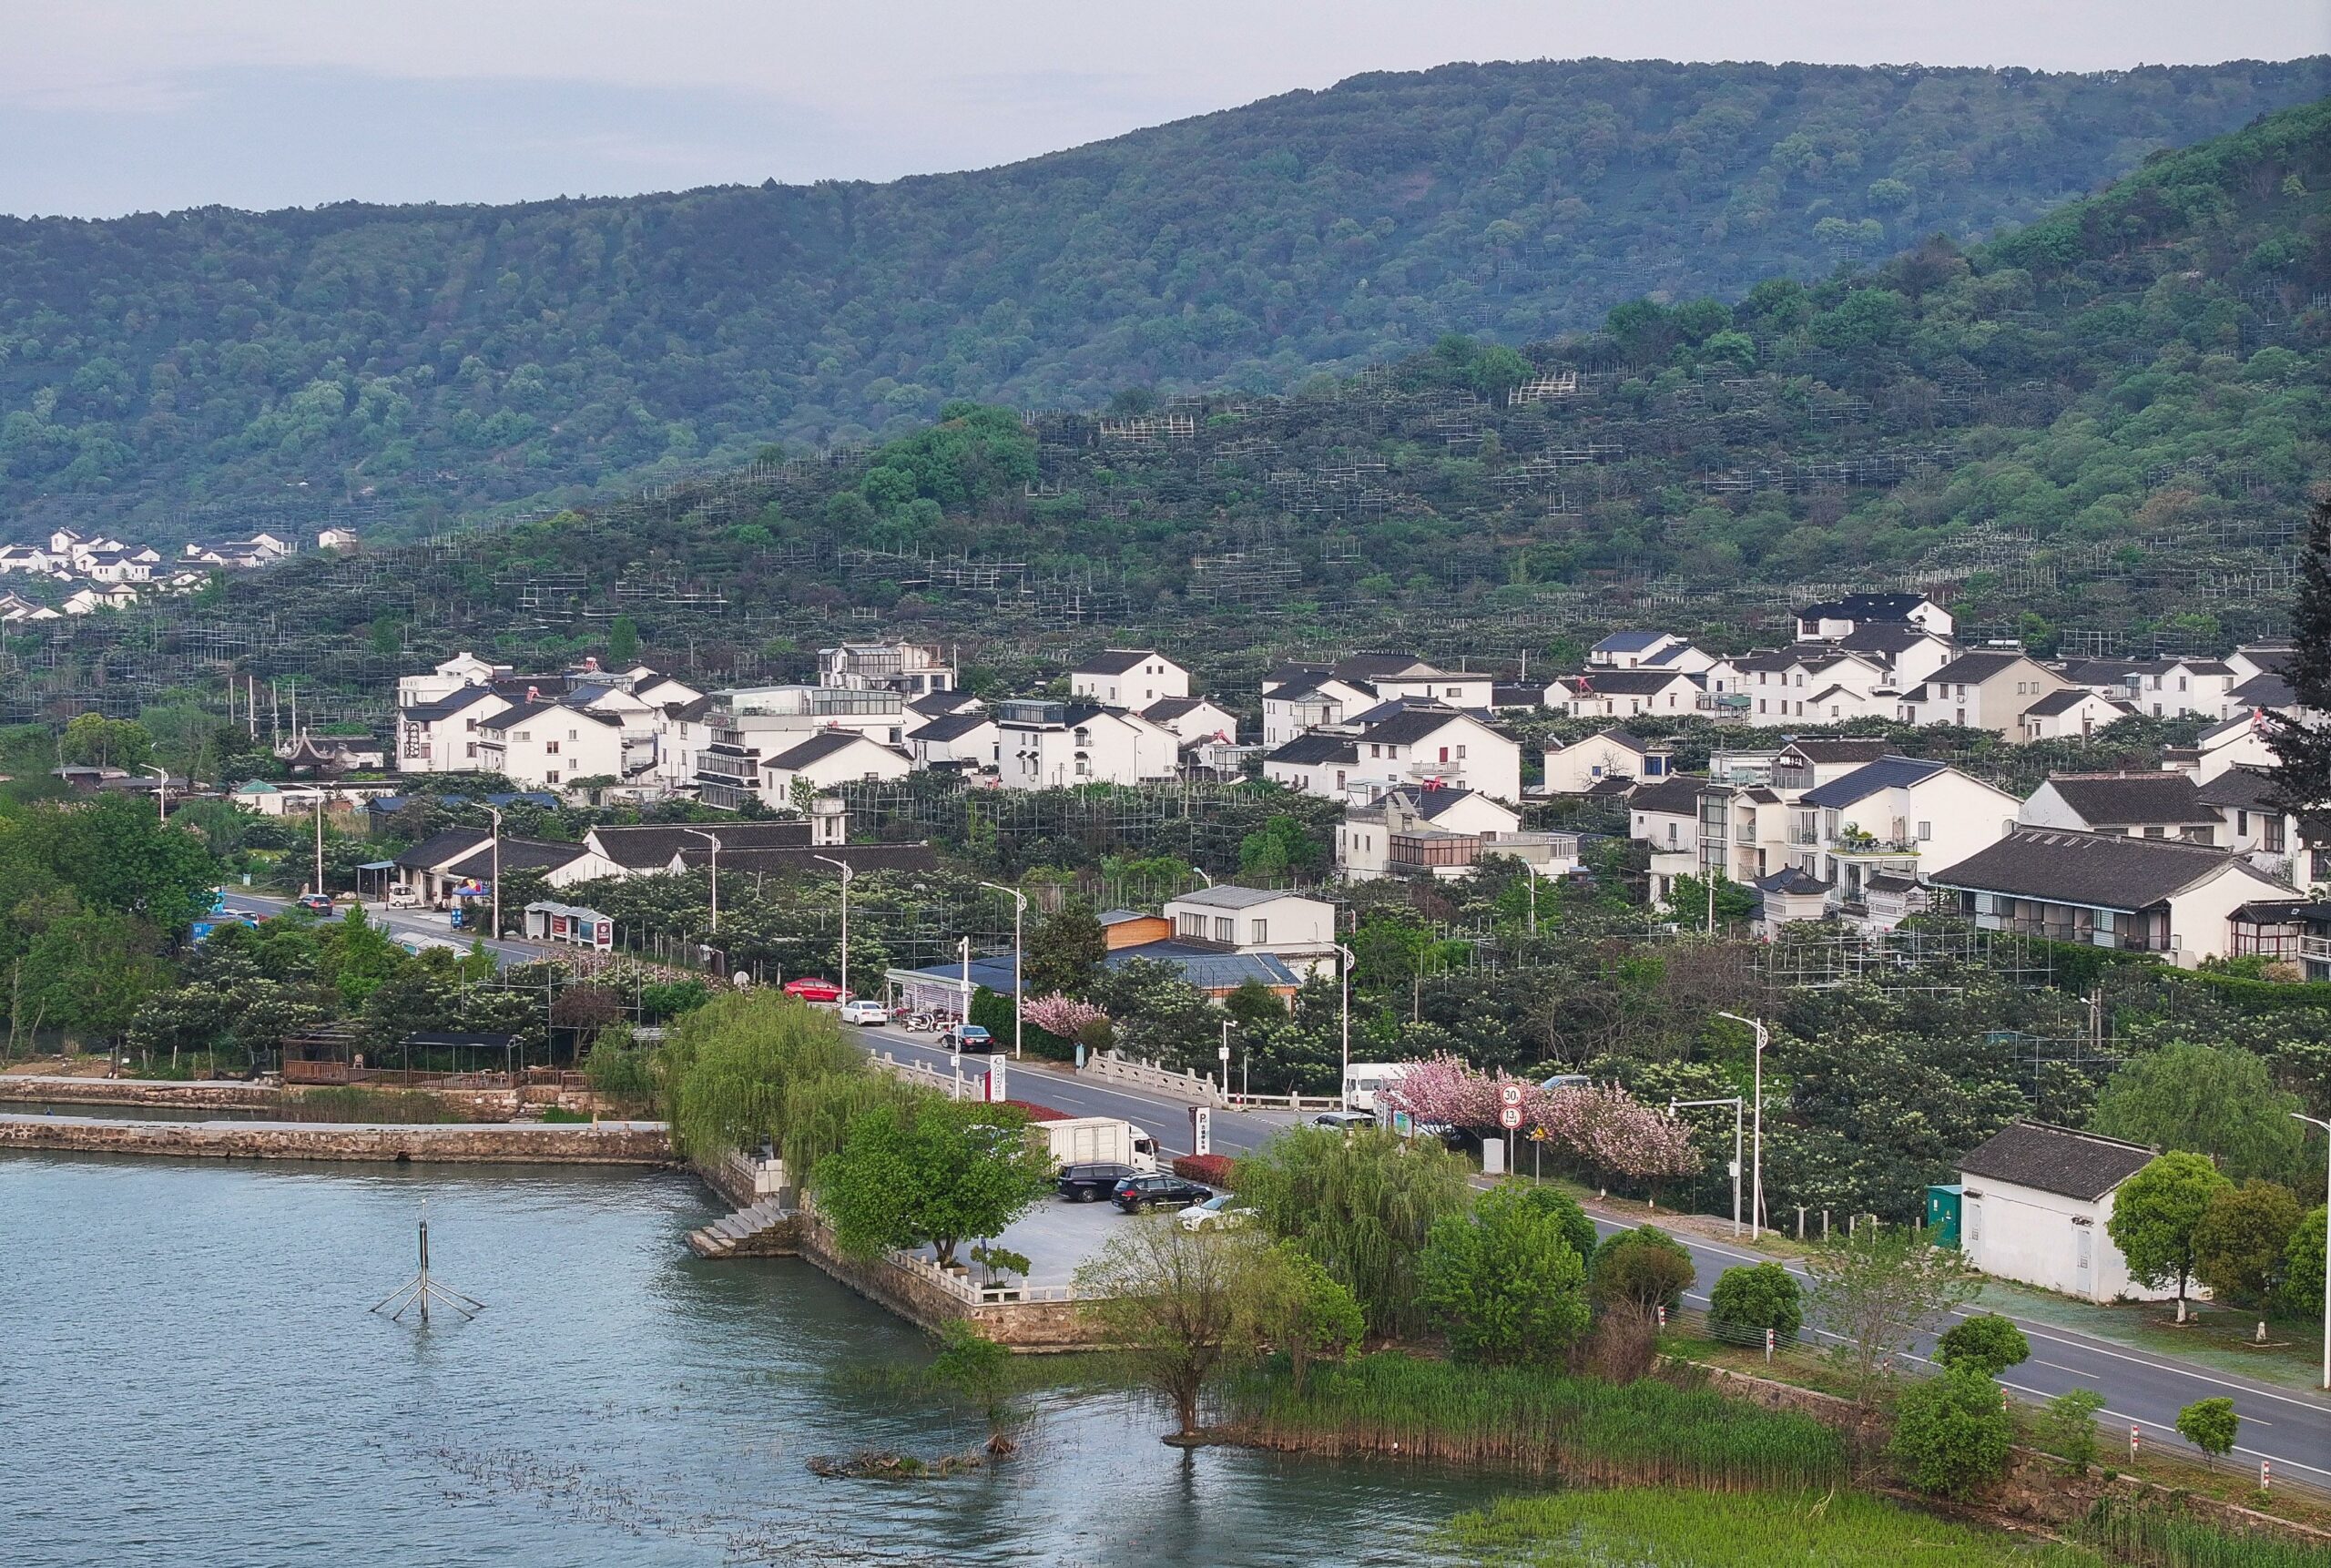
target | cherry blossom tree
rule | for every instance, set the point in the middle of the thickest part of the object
(1061, 1016)
(1602, 1124)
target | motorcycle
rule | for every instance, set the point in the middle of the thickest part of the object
(920, 1023)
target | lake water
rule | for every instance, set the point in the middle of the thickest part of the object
(190, 1376)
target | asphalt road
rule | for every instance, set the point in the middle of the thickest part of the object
(2291, 1427)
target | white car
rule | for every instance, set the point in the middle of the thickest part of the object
(1215, 1213)
(864, 1010)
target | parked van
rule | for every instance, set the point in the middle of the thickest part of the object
(1363, 1081)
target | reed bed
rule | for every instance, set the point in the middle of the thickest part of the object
(2152, 1537)
(1646, 1432)
(1637, 1527)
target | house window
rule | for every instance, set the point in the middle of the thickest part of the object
(1444, 754)
(1225, 929)
(2241, 823)
(1190, 925)
(2271, 840)
(1460, 754)
(1262, 930)
(551, 777)
(1375, 750)
(550, 747)
(1926, 832)
(472, 749)
(574, 735)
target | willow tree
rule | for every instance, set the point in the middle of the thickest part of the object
(731, 1065)
(1363, 1205)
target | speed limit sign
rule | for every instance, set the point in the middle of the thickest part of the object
(1510, 1096)
(1510, 1117)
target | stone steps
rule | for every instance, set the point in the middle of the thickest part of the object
(722, 1237)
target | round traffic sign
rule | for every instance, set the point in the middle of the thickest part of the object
(1510, 1117)
(1509, 1093)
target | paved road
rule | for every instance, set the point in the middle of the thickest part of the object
(403, 923)
(2289, 1427)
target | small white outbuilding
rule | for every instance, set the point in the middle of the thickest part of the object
(2036, 1206)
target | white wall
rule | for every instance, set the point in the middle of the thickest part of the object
(2022, 1233)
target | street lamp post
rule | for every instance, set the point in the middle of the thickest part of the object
(495, 812)
(715, 842)
(1019, 989)
(1223, 1055)
(1531, 867)
(1343, 1080)
(1757, 1184)
(2327, 1252)
(162, 791)
(1735, 1101)
(847, 873)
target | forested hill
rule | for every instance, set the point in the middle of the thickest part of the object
(420, 358)
(2094, 432)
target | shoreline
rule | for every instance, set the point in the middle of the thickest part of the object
(647, 1144)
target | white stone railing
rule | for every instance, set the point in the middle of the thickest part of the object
(1112, 1068)
(929, 1078)
(1283, 1102)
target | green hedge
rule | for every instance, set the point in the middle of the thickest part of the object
(991, 1010)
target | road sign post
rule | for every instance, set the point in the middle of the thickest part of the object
(1201, 1129)
(1508, 1116)
(998, 1087)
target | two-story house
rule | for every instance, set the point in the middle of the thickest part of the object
(1418, 831)
(2155, 805)
(1412, 742)
(1194, 719)
(1044, 745)
(1299, 931)
(2073, 714)
(441, 735)
(958, 742)
(1989, 689)
(1625, 694)
(1666, 816)
(549, 745)
(1841, 617)
(1895, 818)
(1576, 767)
(911, 669)
(1128, 677)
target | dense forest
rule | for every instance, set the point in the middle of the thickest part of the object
(196, 371)
(2094, 432)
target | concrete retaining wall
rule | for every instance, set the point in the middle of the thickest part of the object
(512, 1142)
(60, 1089)
(1027, 1327)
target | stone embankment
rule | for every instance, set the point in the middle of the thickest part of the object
(68, 1089)
(497, 1142)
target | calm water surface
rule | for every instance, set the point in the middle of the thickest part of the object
(189, 1375)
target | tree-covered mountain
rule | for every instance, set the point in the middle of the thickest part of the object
(426, 358)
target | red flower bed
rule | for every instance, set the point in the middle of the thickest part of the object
(1039, 1112)
(1214, 1170)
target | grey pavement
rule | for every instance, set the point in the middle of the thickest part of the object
(396, 923)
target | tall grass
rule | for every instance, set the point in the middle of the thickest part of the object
(2155, 1538)
(1639, 1528)
(1648, 1431)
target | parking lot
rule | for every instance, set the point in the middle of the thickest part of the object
(1056, 1235)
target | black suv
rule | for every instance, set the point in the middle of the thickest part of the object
(1136, 1193)
(1082, 1184)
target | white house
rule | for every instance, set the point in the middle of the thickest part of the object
(825, 762)
(911, 669)
(1299, 931)
(1411, 742)
(2072, 714)
(1415, 831)
(1895, 818)
(440, 736)
(964, 742)
(1043, 745)
(1808, 762)
(2156, 805)
(1626, 694)
(1630, 649)
(1128, 677)
(1194, 718)
(336, 539)
(1841, 617)
(2162, 896)
(549, 745)
(2035, 1206)
(1990, 689)
(1320, 762)
(1301, 697)
(1577, 767)
(1666, 816)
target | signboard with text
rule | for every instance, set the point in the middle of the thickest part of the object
(1201, 1129)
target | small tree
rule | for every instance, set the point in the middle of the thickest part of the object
(1064, 950)
(2245, 1235)
(976, 1367)
(1988, 1343)
(935, 1171)
(1952, 1434)
(1363, 1206)
(1306, 1312)
(1878, 1289)
(1756, 1297)
(2300, 1294)
(2066, 1428)
(2155, 1216)
(2209, 1425)
(1641, 1270)
(1182, 1306)
(1504, 1283)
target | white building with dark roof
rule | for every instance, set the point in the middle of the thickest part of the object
(1298, 930)
(2156, 805)
(1897, 816)
(1989, 689)
(1128, 677)
(1841, 617)
(2035, 1206)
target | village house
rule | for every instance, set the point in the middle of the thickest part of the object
(1807, 762)
(1634, 649)
(1320, 762)
(1992, 689)
(1444, 834)
(1128, 677)
(1893, 819)
(2072, 714)
(1413, 742)
(1045, 745)
(1666, 816)
(1298, 698)
(1744, 831)
(549, 745)
(1194, 719)
(2035, 1206)
(1298, 932)
(1579, 766)
(2162, 896)
(1841, 617)
(2157, 805)
(1624, 694)
(911, 669)
(955, 742)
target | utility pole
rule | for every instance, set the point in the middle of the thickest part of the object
(1019, 989)
(2327, 1234)
(1343, 1081)
(320, 842)
(496, 813)
(1757, 1199)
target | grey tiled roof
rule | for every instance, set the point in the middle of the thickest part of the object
(2045, 1158)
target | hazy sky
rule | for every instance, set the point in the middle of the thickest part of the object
(115, 106)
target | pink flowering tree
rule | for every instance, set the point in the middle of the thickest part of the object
(1604, 1126)
(1061, 1016)
(1446, 1091)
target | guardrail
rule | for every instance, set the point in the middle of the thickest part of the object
(1188, 1086)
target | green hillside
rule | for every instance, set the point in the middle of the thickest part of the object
(2094, 433)
(418, 359)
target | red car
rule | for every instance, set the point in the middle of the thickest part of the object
(808, 990)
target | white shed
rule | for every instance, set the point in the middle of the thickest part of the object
(2037, 1202)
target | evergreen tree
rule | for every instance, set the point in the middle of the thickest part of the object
(2302, 749)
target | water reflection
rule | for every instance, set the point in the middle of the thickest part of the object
(192, 1376)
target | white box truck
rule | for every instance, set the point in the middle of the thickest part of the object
(1097, 1141)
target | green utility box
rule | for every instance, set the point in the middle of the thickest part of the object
(1942, 1215)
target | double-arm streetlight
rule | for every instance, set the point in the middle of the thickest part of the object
(847, 873)
(1019, 989)
(2327, 1252)
(1756, 1184)
(715, 842)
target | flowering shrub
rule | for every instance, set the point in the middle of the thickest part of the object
(1038, 1112)
(1603, 1125)
(1061, 1016)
